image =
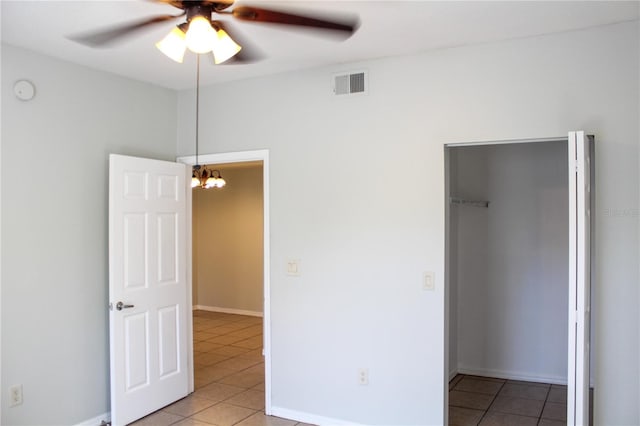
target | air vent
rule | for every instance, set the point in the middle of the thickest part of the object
(350, 83)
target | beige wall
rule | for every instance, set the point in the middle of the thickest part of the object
(228, 241)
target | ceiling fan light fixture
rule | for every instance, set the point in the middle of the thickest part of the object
(224, 47)
(174, 44)
(201, 36)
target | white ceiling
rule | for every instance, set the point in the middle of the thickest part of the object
(388, 28)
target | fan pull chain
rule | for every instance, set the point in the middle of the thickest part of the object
(197, 102)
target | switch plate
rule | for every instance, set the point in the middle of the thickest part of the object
(429, 281)
(293, 267)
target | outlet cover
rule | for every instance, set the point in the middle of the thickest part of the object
(15, 395)
(363, 376)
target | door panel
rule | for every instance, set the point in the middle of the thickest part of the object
(169, 321)
(136, 355)
(148, 275)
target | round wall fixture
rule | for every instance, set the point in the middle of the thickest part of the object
(24, 90)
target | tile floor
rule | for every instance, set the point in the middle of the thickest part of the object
(485, 401)
(229, 386)
(229, 376)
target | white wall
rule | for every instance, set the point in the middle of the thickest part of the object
(54, 227)
(364, 241)
(228, 242)
(512, 261)
(366, 235)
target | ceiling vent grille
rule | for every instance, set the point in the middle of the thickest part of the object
(352, 83)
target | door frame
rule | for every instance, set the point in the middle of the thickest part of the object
(447, 170)
(235, 157)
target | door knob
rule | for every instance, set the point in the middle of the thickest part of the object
(120, 306)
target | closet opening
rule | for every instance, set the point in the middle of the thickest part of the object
(508, 262)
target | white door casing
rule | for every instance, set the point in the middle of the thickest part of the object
(579, 279)
(148, 270)
(239, 157)
(580, 191)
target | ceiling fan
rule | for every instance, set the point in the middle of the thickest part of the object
(202, 31)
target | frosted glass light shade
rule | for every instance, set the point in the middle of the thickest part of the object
(173, 45)
(224, 47)
(219, 182)
(210, 182)
(200, 35)
(195, 181)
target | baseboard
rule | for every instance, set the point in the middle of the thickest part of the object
(453, 374)
(512, 375)
(97, 420)
(227, 310)
(300, 416)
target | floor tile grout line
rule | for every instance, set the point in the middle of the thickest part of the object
(490, 404)
(546, 398)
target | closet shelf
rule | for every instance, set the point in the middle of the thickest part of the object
(472, 203)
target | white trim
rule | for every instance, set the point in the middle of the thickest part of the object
(241, 157)
(506, 141)
(191, 386)
(582, 322)
(513, 375)
(97, 420)
(301, 416)
(447, 289)
(227, 310)
(226, 157)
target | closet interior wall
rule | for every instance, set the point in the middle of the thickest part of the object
(508, 261)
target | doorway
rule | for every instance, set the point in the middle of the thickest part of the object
(507, 266)
(240, 160)
(228, 242)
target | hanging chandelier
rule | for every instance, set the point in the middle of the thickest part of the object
(205, 178)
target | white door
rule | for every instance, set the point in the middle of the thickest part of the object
(579, 279)
(147, 286)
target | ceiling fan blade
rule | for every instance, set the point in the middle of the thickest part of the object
(105, 37)
(347, 26)
(249, 52)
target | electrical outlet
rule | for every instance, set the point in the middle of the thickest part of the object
(15, 395)
(363, 376)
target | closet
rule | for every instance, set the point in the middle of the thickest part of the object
(508, 260)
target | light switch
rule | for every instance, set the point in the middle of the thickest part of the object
(429, 283)
(293, 267)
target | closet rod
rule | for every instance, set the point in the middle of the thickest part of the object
(472, 203)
